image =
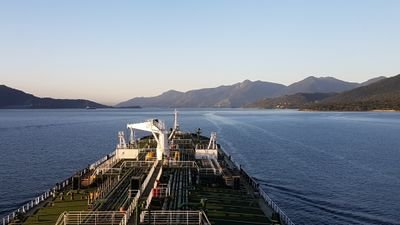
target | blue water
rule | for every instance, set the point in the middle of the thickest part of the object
(321, 168)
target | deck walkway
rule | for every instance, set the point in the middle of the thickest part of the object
(147, 190)
(49, 213)
(226, 206)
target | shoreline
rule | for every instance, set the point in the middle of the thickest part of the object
(373, 110)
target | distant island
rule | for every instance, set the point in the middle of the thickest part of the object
(15, 99)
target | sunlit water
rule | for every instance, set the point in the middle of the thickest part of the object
(321, 168)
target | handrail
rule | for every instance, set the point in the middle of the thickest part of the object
(41, 198)
(92, 217)
(150, 197)
(60, 218)
(132, 206)
(204, 216)
(135, 163)
(58, 187)
(135, 200)
(106, 164)
(100, 161)
(170, 217)
(282, 216)
(276, 209)
(182, 164)
(150, 174)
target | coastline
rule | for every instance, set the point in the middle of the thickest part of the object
(373, 110)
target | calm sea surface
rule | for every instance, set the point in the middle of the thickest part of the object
(321, 168)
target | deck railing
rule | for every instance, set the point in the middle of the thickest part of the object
(92, 218)
(135, 200)
(108, 163)
(135, 163)
(150, 197)
(149, 175)
(26, 207)
(102, 160)
(252, 182)
(132, 206)
(41, 198)
(182, 164)
(174, 217)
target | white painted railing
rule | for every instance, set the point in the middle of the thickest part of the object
(149, 175)
(174, 217)
(132, 206)
(283, 218)
(182, 164)
(108, 171)
(26, 207)
(212, 167)
(102, 160)
(252, 182)
(134, 163)
(92, 218)
(150, 197)
(107, 164)
(41, 198)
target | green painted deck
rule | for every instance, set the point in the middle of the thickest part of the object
(49, 214)
(226, 206)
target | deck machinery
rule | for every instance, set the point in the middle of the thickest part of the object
(167, 177)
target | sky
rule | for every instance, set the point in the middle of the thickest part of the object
(111, 51)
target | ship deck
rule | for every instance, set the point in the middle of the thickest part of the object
(230, 207)
(49, 211)
(183, 188)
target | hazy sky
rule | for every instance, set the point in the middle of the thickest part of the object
(110, 51)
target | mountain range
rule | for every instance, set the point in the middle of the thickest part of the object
(13, 98)
(294, 101)
(382, 94)
(314, 93)
(243, 93)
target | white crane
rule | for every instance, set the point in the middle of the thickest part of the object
(176, 125)
(121, 137)
(213, 141)
(157, 128)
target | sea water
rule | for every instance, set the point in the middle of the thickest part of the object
(319, 167)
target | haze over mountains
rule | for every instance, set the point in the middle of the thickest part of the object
(244, 93)
(13, 98)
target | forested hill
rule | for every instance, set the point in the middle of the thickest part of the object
(294, 101)
(381, 95)
(13, 98)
